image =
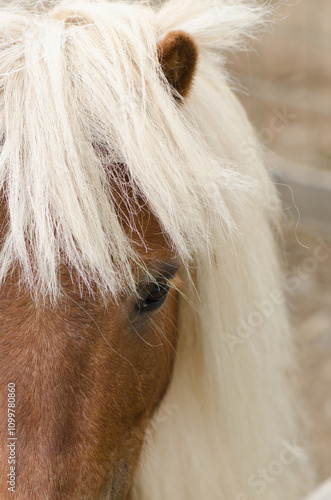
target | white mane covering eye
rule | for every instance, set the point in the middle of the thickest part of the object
(78, 79)
(87, 73)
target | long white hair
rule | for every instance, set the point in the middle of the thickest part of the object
(81, 89)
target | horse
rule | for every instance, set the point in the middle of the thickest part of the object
(145, 350)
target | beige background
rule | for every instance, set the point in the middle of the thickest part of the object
(292, 67)
(290, 73)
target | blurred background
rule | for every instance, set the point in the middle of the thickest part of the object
(285, 86)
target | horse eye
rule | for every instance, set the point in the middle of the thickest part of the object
(153, 295)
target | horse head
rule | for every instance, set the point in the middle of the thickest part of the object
(137, 251)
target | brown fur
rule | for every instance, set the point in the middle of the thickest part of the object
(88, 377)
(178, 56)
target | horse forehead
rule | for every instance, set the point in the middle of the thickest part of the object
(143, 228)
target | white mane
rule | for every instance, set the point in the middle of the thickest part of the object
(80, 88)
(83, 74)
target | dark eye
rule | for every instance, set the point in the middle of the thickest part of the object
(153, 295)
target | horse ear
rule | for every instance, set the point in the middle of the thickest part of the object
(178, 55)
